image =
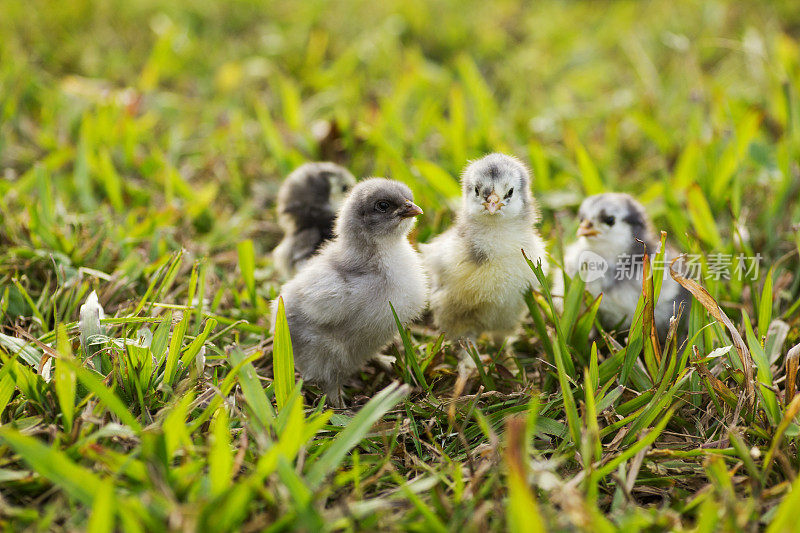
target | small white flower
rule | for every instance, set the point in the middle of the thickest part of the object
(200, 360)
(46, 369)
(91, 313)
(144, 337)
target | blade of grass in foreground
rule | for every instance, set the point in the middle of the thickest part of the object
(102, 517)
(65, 379)
(76, 481)
(282, 357)
(355, 430)
(786, 517)
(220, 455)
(522, 512)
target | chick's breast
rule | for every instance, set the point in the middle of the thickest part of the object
(477, 292)
(406, 282)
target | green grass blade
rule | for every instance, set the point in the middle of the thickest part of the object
(247, 266)
(282, 357)
(191, 351)
(220, 456)
(408, 351)
(355, 430)
(64, 379)
(175, 343)
(765, 305)
(253, 391)
(54, 465)
(102, 518)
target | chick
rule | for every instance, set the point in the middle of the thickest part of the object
(307, 205)
(337, 305)
(477, 270)
(613, 235)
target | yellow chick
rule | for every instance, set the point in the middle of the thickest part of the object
(477, 270)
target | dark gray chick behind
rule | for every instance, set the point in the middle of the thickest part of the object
(307, 204)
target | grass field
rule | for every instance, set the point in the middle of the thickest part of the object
(142, 144)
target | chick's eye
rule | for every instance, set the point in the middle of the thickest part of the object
(510, 192)
(382, 206)
(608, 220)
(477, 192)
(344, 188)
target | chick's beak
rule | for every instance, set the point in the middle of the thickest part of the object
(409, 209)
(493, 203)
(587, 229)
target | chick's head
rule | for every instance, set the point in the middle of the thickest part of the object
(612, 223)
(377, 209)
(340, 181)
(496, 186)
(315, 184)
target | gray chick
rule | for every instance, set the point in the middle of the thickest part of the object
(613, 235)
(307, 204)
(478, 273)
(337, 305)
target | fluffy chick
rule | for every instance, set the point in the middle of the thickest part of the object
(613, 235)
(477, 270)
(307, 203)
(337, 305)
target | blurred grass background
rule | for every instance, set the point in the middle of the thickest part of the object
(142, 107)
(130, 131)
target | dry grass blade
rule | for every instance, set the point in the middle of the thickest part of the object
(791, 373)
(716, 311)
(649, 318)
(719, 387)
(523, 513)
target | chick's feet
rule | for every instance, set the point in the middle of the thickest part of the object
(385, 362)
(466, 362)
(499, 351)
(335, 397)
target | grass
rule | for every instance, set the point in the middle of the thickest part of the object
(142, 144)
